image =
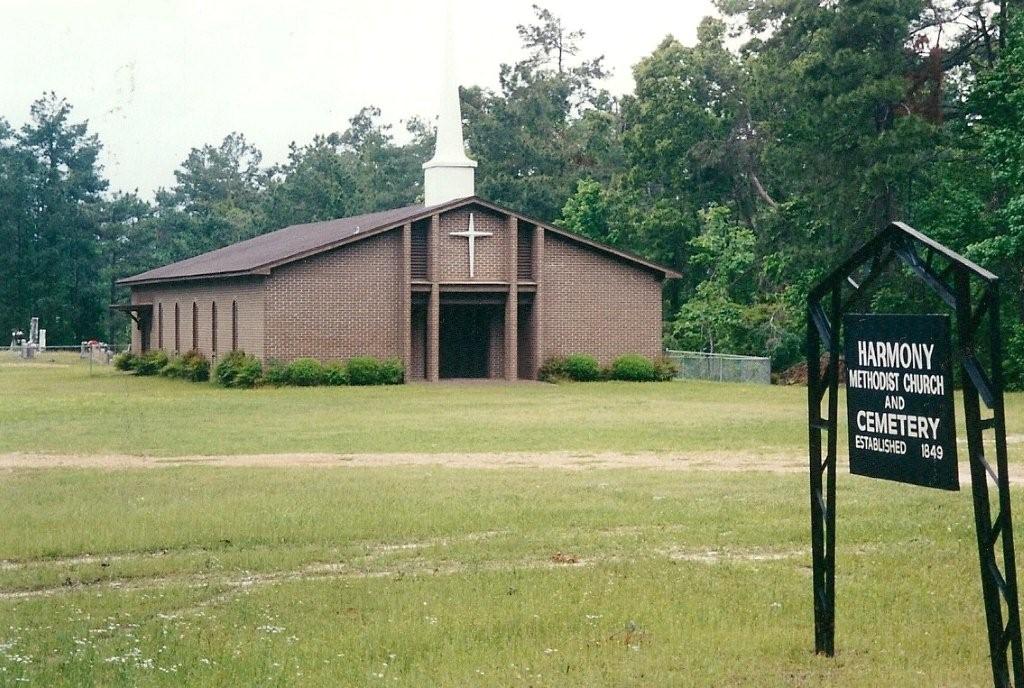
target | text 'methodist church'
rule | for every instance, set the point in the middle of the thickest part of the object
(458, 287)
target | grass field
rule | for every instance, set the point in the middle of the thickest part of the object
(431, 575)
(68, 409)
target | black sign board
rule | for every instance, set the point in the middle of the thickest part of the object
(899, 399)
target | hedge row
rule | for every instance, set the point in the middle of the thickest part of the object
(584, 368)
(191, 366)
(241, 370)
(360, 370)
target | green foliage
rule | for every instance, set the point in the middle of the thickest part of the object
(366, 370)
(304, 372)
(1014, 346)
(191, 366)
(582, 368)
(391, 372)
(574, 368)
(275, 373)
(549, 125)
(151, 363)
(238, 370)
(361, 370)
(335, 374)
(635, 368)
(125, 361)
(586, 211)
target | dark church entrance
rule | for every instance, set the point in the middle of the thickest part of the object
(467, 335)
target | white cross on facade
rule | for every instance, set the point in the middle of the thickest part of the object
(472, 234)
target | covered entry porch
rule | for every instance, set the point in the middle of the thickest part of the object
(473, 332)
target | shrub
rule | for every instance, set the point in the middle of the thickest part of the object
(634, 368)
(276, 373)
(173, 368)
(391, 372)
(238, 369)
(576, 367)
(195, 367)
(667, 369)
(305, 372)
(582, 368)
(335, 374)
(192, 366)
(363, 370)
(367, 370)
(553, 370)
(126, 360)
(151, 363)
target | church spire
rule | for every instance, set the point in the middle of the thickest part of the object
(449, 174)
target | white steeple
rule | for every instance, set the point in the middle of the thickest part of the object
(449, 174)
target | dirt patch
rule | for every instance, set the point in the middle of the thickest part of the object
(721, 461)
(568, 461)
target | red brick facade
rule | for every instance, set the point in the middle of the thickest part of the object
(339, 304)
(362, 299)
(240, 315)
(595, 304)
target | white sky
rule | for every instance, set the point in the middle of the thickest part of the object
(158, 77)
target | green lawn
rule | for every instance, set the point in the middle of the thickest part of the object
(432, 575)
(70, 409)
(223, 576)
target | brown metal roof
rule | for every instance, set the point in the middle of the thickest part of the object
(257, 256)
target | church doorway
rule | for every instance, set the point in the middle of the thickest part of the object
(467, 340)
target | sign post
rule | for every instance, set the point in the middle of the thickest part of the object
(900, 410)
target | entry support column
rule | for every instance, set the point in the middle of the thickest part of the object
(537, 311)
(512, 303)
(405, 328)
(434, 305)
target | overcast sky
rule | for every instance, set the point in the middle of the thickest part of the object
(158, 77)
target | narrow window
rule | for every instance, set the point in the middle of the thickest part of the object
(234, 326)
(524, 255)
(160, 325)
(177, 329)
(195, 326)
(419, 252)
(213, 327)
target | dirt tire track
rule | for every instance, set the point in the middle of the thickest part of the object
(770, 462)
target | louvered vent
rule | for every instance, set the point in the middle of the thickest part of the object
(418, 257)
(524, 254)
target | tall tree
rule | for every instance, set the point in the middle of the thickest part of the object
(549, 126)
(125, 243)
(56, 239)
(215, 201)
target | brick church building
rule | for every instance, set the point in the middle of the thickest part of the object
(456, 288)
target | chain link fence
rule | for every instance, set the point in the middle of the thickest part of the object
(697, 365)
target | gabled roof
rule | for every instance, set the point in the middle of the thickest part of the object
(259, 255)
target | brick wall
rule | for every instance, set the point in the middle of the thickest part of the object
(491, 252)
(597, 305)
(339, 304)
(245, 292)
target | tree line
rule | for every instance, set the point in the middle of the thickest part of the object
(750, 161)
